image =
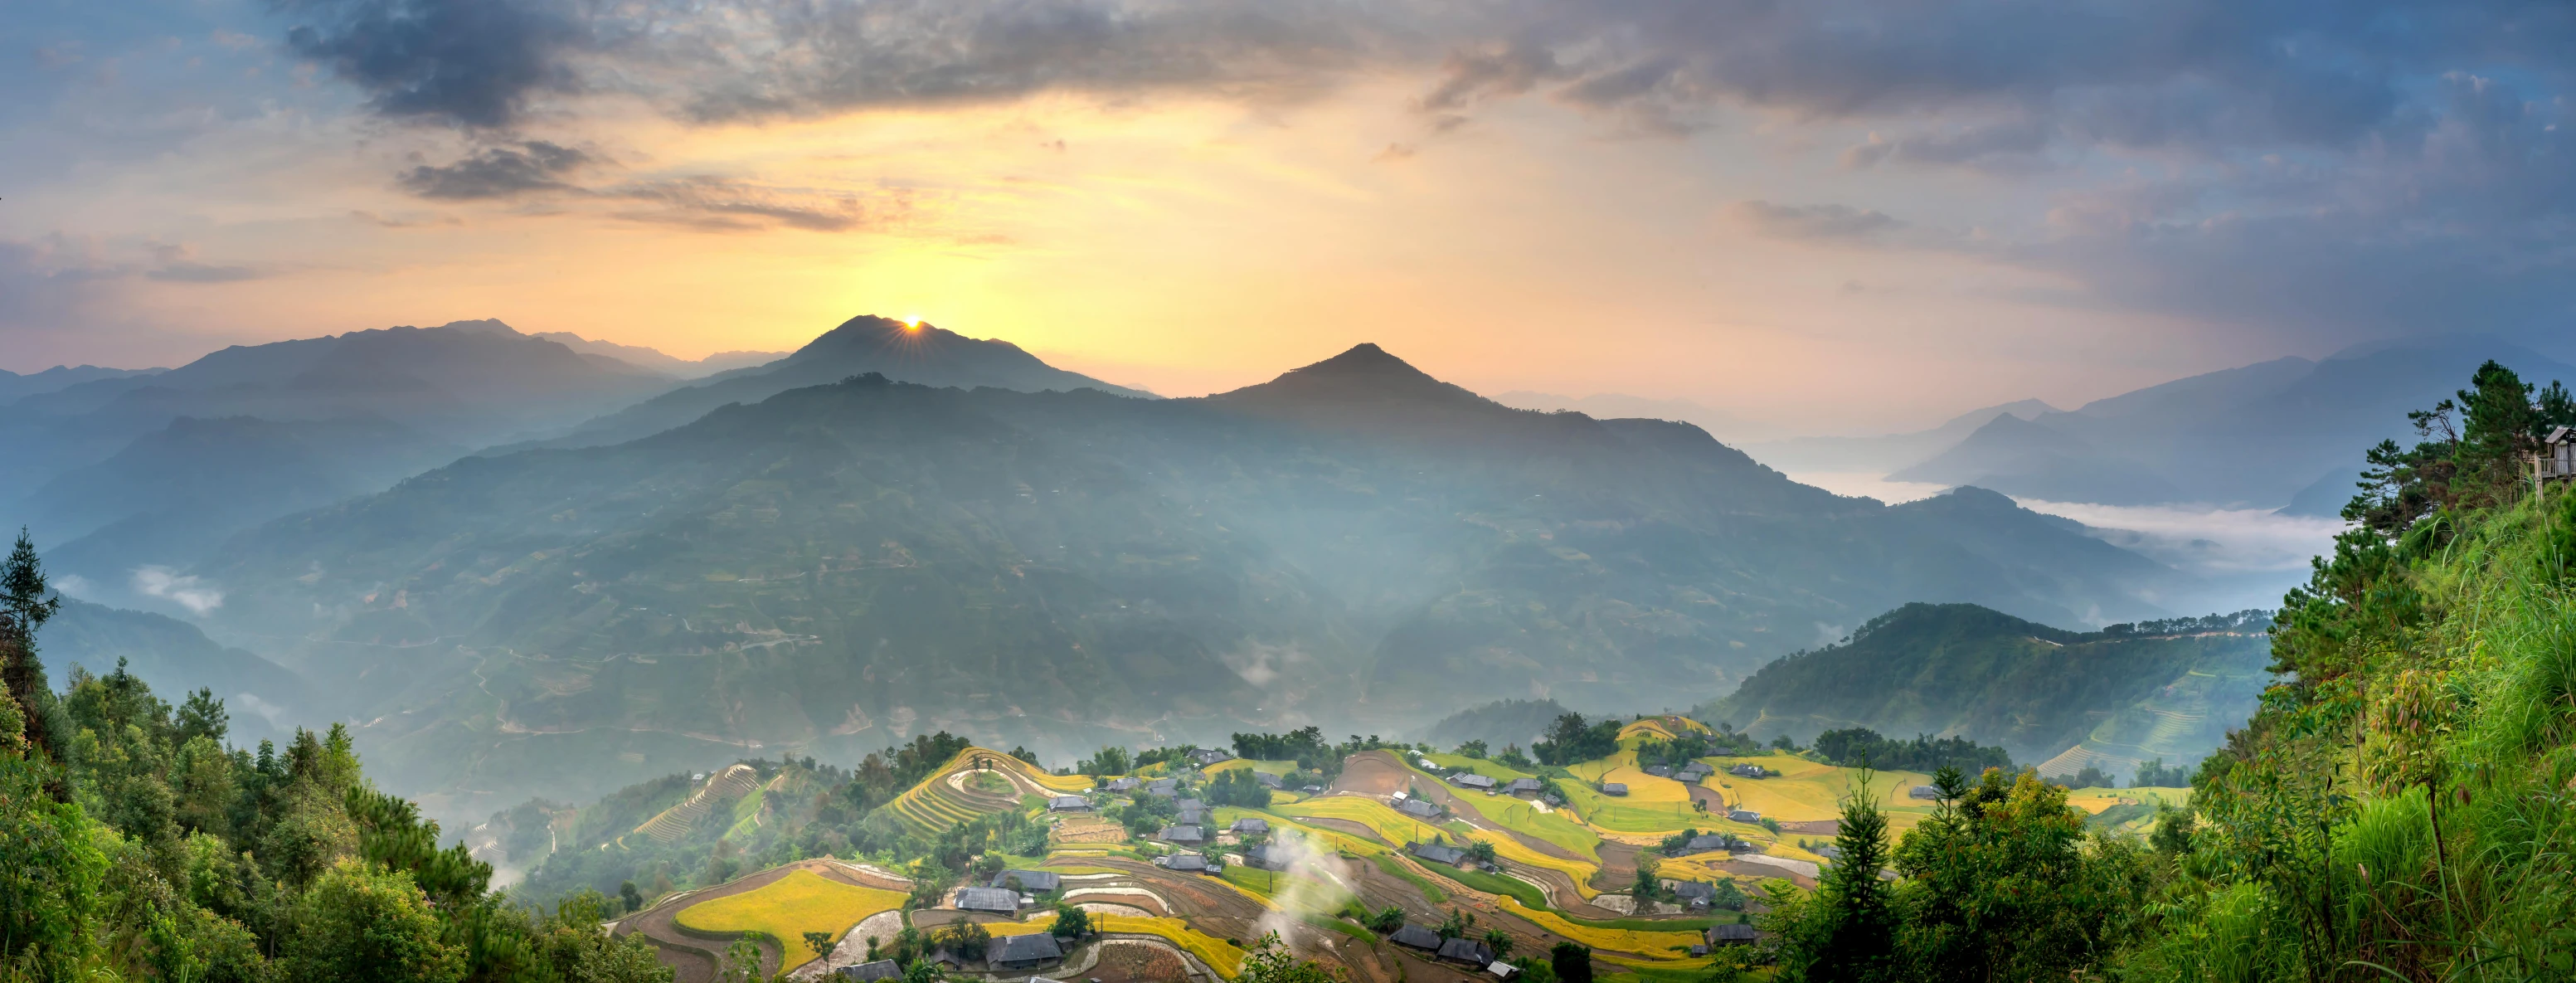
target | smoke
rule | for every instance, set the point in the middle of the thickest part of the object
(187, 590)
(1316, 881)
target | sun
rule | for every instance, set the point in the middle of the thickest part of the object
(912, 322)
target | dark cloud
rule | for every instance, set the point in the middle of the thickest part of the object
(496, 172)
(469, 62)
(1813, 221)
(722, 205)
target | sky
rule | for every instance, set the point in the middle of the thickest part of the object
(1840, 215)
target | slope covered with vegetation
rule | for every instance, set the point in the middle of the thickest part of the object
(2397, 807)
(2130, 693)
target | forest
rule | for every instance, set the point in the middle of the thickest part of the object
(2397, 808)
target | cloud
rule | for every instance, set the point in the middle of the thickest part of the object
(1812, 221)
(496, 172)
(726, 205)
(469, 62)
(186, 590)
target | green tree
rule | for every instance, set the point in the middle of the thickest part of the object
(362, 925)
(1269, 961)
(1499, 941)
(1571, 961)
(26, 603)
(1071, 922)
(820, 942)
(1847, 932)
(741, 962)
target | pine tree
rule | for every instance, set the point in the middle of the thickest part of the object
(26, 603)
(1858, 941)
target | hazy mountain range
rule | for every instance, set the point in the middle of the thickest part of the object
(525, 562)
(1354, 542)
(2284, 434)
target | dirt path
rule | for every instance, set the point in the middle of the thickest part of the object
(1618, 866)
(1373, 773)
(693, 958)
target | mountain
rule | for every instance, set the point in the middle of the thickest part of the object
(2261, 435)
(1500, 724)
(14, 387)
(2063, 699)
(654, 360)
(166, 461)
(1887, 452)
(1720, 424)
(175, 659)
(1355, 543)
(919, 353)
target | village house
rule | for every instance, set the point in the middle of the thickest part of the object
(1748, 771)
(1502, 970)
(1614, 788)
(1068, 803)
(1469, 780)
(1204, 757)
(1191, 862)
(1266, 779)
(1473, 952)
(1737, 934)
(1023, 951)
(1525, 786)
(1697, 894)
(1694, 772)
(1125, 784)
(1709, 843)
(882, 969)
(1030, 881)
(1413, 936)
(1268, 856)
(2557, 460)
(1659, 771)
(999, 901)
(1250, 826)
(1186, 834)
(1438, 853)
(1192, 816)
(1165, 787)
(1418, 808)
(1744, 816)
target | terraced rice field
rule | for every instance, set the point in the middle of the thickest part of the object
(1653, 945)
(676, 821)
(786, 909)
(948, 797)
(1390, 825)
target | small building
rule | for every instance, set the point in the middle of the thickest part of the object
(1413, 936)
(1418, 808)
(1525, 786)
(882, 969)
(1191, 862)
(1744, 816)
(1125, 784)
(1694, 772)
(1697, 894)
(1068, 803)
(1266, 779)
(1502, 970)
(1165, 787)
(1699, 950)
(1192, 816)
(1748, 771)
(1473, 952)
(1923, 792)
(1736, 934)
(1204, 757)
(1185, 834)
(2557, 454)
(1268, 856)
(1709, 843)
(1031, 881)
(1427, 764)
(1471, 780)
(1189, 803)
(1250, 826)
(1438, 853)
(1659, 771)
(1023, 951)
(1000, 901)
(1614, 788)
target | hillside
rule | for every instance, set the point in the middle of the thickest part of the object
(121, 471)
(1500, 724)
(1357, 544)
(917, 353)
(2060, 698)
(2263, 434)
(173, 657)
